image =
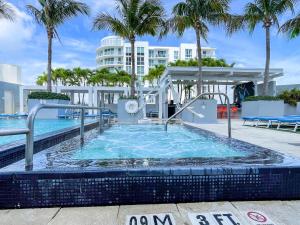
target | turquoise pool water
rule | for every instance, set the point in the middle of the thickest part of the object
(40, 127)
(151, 141)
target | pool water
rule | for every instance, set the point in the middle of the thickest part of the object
(41, 126)
(152, 141)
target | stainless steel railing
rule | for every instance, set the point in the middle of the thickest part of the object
(29, 131)
(199, 96)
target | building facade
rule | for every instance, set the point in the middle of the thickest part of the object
(115, 53)
(10, 81)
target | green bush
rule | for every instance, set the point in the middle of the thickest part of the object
(128, 97)
(48, 95)
(290, 97)
(264, 98)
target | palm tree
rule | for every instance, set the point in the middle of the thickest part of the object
(52, 14)
(292, 27)
(136, 18)
(6, 11)
(265, 12)
(197, 14)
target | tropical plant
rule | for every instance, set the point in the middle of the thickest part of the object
(198, 14)
(265, 12)
(6, 11)
(261, 98)
(291, 97)
(52, 14)
(208, 62)
(291, 27)
(154, 73)
(41, 79)
(48, 95)
(136, 18)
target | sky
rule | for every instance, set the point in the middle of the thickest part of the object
(24, 42)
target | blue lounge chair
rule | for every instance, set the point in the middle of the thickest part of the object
(249, 118)
(290, 121)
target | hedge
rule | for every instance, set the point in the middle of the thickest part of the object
(261, 98)
(48, 95)
(290, 97)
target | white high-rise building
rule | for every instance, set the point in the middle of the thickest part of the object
(115, 53)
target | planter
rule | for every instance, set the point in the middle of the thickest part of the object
(262, 108)
(208, 108)
(290, 110)
(124, 116)
(47, 113)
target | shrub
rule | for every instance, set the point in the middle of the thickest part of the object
(290, 97)
(128, 97)
(48, 95)
(258, 98)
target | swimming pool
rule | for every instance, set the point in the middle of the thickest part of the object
(142, 164)
(151, 141)
(133, 146)
(41, 126)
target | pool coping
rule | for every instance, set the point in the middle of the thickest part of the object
(15, 151)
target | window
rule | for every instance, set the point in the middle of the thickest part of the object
(120, 51)
(151, 63)
(140, 51)
(120, 60)
(188, 53)
(128, 69)
(140, 70)
(128, 60)
(161, 53)
(109, 61)
(176, 55)
(151, 53)
(140, 61)
(109, 51)
(162, 62)
(128, 51)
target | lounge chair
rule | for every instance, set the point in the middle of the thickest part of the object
(293, 120)
(249, 118)
(289, 121)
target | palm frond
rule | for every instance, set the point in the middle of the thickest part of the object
(108, 22)
(6, 11)
(66, 9)
(36, 13)
(291, 27)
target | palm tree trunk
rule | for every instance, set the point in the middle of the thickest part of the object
(132, 83)
(268, 56)
(199, 53)
(50, 36)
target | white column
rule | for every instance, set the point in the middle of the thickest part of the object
(95, 98)
(90, 103)
(21, 100)
(255, 88)
(160, 104)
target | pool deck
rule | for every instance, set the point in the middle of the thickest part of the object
(279, 212)
(285, 142)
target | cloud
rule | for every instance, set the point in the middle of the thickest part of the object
(14, 36)
(78, 45)
(101, 5)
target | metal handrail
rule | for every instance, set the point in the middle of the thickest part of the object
(199, 96)
(29, 131)
(30, 125)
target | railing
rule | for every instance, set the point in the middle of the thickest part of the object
(199, 96)
(29, 131)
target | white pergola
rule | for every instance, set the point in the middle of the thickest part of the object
(211, 75)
